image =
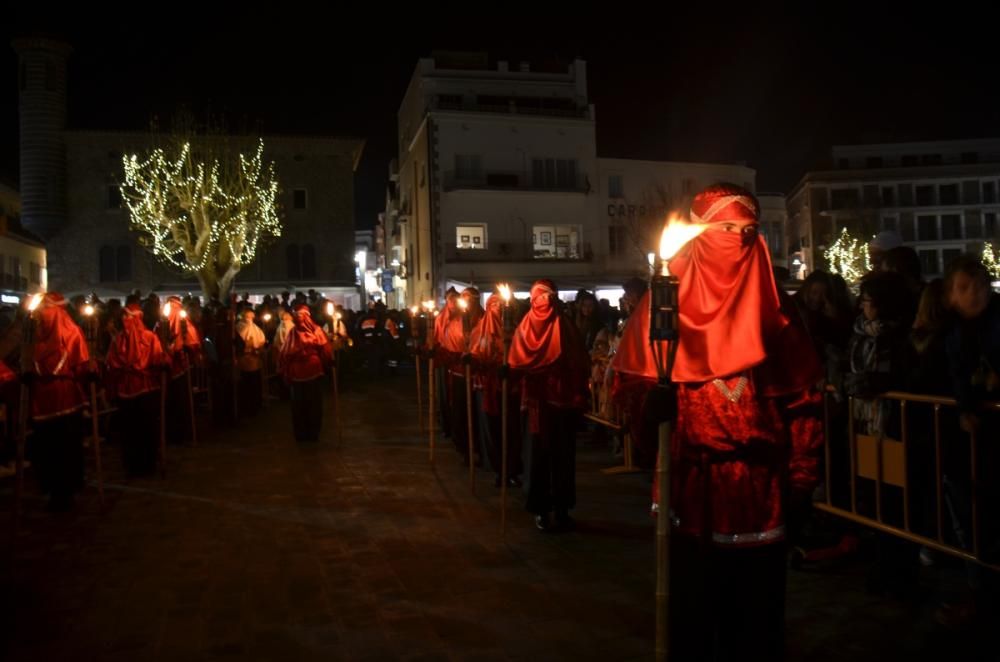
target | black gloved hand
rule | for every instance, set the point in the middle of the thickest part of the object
(28, 377)
(466, 359)
(504, 371)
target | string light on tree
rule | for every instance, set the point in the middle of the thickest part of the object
(848, 257)
(990, 260)
(207, 218)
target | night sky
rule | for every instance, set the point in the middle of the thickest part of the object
(774, 91)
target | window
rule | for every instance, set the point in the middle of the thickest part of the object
(308, 258)
(472, 237)
(970, 157)
(910, 160)
(843, 164)
(450, 101)
(927, 229)
(843, 198)
(299, 199)
(468, 167)
(973, 225)
(293, 261)
(123, 263)
(35, 273)
(931, 159)
(990, 223)
(970, 192)
(905, 195)
(556, 241)
(615, 187)
(889, 223)
(929, 262)
(114, 264)
(554, 174)
(989, 193)
(114, 197)
(925, 196)
(616, 240)
(773, 237)
(869, 194)
(948, 194)
(951, 226)
(906, 230)
(948, 256)
(873, 162)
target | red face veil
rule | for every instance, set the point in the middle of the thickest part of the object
(538, 341)
(729, 306)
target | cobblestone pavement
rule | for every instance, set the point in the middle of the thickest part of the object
(255, 548)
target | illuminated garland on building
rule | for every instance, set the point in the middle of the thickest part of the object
(990, 260)
(848, 257)
(207, 218)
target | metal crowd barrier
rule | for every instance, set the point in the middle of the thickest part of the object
(881, 461)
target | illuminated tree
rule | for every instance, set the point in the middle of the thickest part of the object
(205, 212)
(990, 260)
(848, 257)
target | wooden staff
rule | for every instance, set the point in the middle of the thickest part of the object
(88, 312)
(163, 422)
(95, 434)
(507, 325)
(431, 387)
(466, 332)
(27, 337)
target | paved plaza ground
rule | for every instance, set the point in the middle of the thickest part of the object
(256, 548)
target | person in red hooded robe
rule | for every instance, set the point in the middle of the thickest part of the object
(549, 356)
(487, 349)
(302, 362)
(446, 354)
(134, 364)
(58, 365)
(456, 342)
(183, 348)
(745, 447)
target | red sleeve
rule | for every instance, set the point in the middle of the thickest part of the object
(804, 415)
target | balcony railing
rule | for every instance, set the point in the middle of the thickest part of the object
(505, 180)
(519, 252)
(510, 109)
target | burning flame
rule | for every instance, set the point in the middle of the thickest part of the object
(463, 304)
(675, 235)
(504, 289)
(267, 317)
(166, 309)
(35, 300)
(183, 314)
(414, 310)
(88, 310)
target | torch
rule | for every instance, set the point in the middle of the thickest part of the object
(27, 339)
(431, 381)
(664, 336)
(463, 308)
(507, 322)
(265, 362)
(90, 334)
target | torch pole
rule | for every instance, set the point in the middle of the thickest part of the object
(163, 424)
(503, 443)
(431, 387)
(420, 400)
(663, 544)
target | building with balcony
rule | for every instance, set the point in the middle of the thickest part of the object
(941, 197)
(498, 179)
